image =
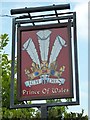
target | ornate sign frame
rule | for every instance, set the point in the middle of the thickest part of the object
(17, 26)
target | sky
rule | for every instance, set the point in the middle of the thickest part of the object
(81, 9)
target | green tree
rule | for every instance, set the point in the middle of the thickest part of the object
(56, 112)
(76, 116)
(7, 113)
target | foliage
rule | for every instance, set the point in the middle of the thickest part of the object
(6, 72)
(3, 41)
(56, 112)
(76, 116)
(17, 114)
(8, 114)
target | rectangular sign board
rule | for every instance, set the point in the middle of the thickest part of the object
(44, 62)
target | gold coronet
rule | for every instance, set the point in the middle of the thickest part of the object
(43, 69)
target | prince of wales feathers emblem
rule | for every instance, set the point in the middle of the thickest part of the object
(44, 70)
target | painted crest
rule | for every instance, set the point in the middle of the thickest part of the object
(45, 69)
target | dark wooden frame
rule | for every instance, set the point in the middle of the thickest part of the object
(29, 28)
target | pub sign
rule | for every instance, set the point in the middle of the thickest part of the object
(45, 62)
